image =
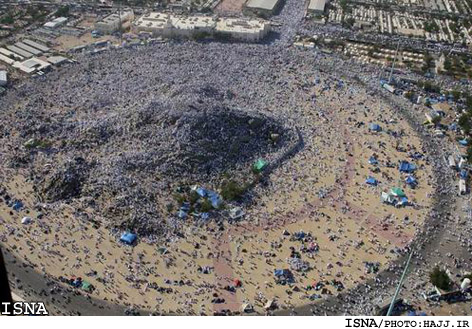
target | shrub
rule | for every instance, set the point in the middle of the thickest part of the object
(179, 198)
(231, 190)
(193, 197)
(206, 206)
(440, 279)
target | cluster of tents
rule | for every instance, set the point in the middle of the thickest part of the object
(213, 197)
(284, 276)
(78, 283)
(395, 196)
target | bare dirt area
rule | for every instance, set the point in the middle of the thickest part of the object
(106, 148)
(230, 6)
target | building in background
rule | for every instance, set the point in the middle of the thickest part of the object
(19, 51)
(34, 51)
(244, 30)
(159, 24)
(3, 78)
(11, 54)
(317, 7)
(32, 65)
(113, 22)
(169, 25)
(57, 60)
(55, 23)
(36, 45)
(262, 8)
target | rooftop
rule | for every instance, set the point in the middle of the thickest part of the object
(317, 5)
(240, 25)
(115, 17)
(20, 51)
(161, 20)
(56, 21)
(29, 49)
(6, 59)
(55, 60)
(262, 4)
(36, 45)
(194, 22)
(31, 65)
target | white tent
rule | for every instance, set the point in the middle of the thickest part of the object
(26, 220)
(465, 284)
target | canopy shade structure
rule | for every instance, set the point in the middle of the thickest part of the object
(260, 165)
(371, 181)
(410, 180)
(406, 167)
(396, 191)
(374, 127)
(128, 238)
(373, 160)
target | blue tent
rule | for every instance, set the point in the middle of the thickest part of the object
(284, 274)
(185, 206)
(407, 167)
(374, 127)
(416, 155)
(182, 214)
(463, 174)
(410, 180)
(278, 273)
(215, 199)
(128, 238)
(371, 181)
(17, 205)
(201, 192)
(403, 201)
(373, 160)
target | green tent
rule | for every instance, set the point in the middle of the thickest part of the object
(86, 286)
(260, 165)
(162, 250)
(396, 191)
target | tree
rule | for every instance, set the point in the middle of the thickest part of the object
(63, 11)
(435, 120)
(469, 154)
(231, 190)
(9, 19)
(349, 22)
(464, 123)
(440, 279)
(206, 206)
(343, 4)
(456, 94)
(409, 95)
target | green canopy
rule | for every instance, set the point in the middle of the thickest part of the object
(260, 165)
(397, 192)
(86, 286)
(162, 250)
